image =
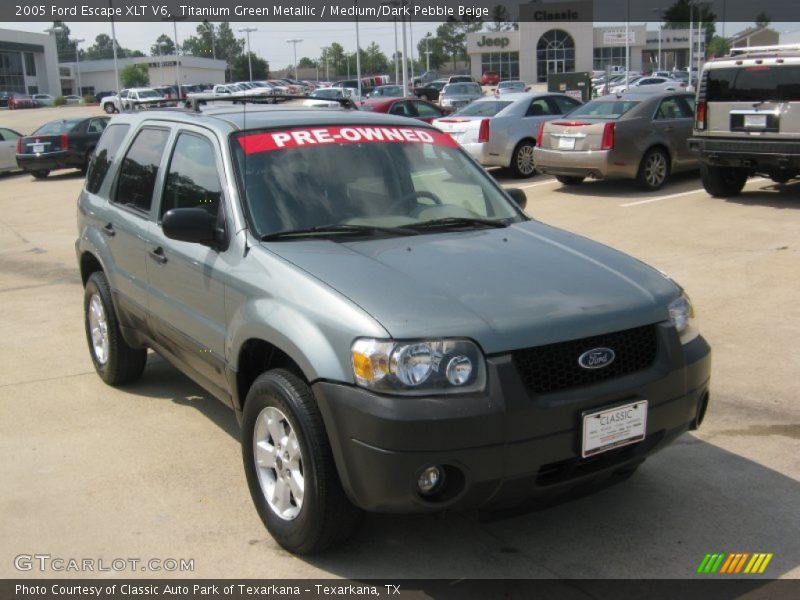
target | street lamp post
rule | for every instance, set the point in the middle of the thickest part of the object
(177, 59)
(658, 10)
(294, 42)
(627, 40)
(358, 55)
(247, 30)
(428, 53)
(78, 64)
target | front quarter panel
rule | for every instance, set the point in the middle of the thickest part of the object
(270, 299)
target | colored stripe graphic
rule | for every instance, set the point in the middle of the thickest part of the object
(734, 563)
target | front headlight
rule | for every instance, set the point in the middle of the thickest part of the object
(681, 313)
(441, 366)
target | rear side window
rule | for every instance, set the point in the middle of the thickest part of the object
(753, 84)
(486, 108)
(604, 109)
(564, 103)
(104, 155)
(137, 175)
(192, 180)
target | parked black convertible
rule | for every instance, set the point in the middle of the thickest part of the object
(62, 144)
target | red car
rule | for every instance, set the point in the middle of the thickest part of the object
(20, 101)
(405, 107)
(490, 78)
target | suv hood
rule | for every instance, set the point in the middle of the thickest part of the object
(525, 285)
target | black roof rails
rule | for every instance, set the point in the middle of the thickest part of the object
(194, 103)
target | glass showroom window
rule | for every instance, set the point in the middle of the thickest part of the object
(11, 77)
(609, 57)
(505, 63)
(555, 53)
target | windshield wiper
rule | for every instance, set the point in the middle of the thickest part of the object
(343, 228)
(457, 222)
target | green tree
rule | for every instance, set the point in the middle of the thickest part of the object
(163, 45)
(453, 35)
(434, 45)
(501, 20)
(241, 68)
(718, 46)
(337, 63)
(373, 60)
(307, 63)
(134, 76)
(103, 47)
(679, 16)
(226, 46)
(763, 20)
(64, 46)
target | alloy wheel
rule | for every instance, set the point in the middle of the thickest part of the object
(98, 327)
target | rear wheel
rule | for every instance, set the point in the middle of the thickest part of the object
(114, 360)
(40, 174)
(289, 466)
(654, 169)
(722, 182)
(570, 179)
(109, 108)
(522, 164)
(423, 96)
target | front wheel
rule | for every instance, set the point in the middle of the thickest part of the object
(109, 108)
(289, 466)
(40, 174)
(423, 97)
(114, 360)
(522, 164)
(722, 182)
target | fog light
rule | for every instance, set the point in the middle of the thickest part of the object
(429, 480)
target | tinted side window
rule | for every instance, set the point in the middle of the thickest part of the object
(192, 179)
(105, 152)
(426, 110)
(672, 108)
(97, 125)
(137, 175)
(538, 108)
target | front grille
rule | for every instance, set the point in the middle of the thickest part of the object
(552, 368)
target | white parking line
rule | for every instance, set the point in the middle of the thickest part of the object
(679, 194)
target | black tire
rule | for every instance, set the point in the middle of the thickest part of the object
(781, 179)
(324, 516)
(41, 174)
(722, 182)
(109, 108)
(121, 362)
(653, 170)
(570, 179)
(522, 165)
(423, 97)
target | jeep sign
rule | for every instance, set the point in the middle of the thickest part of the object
(500, 42)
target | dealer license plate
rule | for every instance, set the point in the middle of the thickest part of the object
(566, 143)
(38, 148)
(614, 427)
(755, 121)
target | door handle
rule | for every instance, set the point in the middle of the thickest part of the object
(157, 254)
(109, 230)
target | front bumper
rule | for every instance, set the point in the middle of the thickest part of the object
(503, 446)
(598, 164)
(753, 154)
(50, 161)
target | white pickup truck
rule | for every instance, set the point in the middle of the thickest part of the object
(130, 99)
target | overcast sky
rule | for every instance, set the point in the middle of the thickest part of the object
(269, 41)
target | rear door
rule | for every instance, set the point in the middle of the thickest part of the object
(673, 122)
(187, 280)
(8, 142)
(128, 219)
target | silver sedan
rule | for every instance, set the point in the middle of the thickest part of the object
(501, 132)
(8, 144)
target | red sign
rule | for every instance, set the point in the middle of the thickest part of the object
(351, 134)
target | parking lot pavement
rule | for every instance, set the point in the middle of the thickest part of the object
(153, 470)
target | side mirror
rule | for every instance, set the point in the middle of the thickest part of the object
(517, 195)
(193, 225)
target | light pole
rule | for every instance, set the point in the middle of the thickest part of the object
(657, 10)
(627, 40)
(78, 64)
(396, 55)
(405, 62)
(411, 41)
(358, 55)
(160, 45)
(293, 41)
(428, 53)
(247, 30)
(177, 59)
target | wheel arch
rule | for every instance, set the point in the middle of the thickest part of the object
(256, 356)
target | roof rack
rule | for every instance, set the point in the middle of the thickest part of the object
(194, 103)
(765, 49)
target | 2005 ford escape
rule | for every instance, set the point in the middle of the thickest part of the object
(393, 332)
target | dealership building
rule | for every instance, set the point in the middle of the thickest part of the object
(559, 37)
(28, 63)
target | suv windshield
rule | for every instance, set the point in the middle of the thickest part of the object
(368, 176)
(754, 84)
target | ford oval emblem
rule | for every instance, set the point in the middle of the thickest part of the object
(596, 358)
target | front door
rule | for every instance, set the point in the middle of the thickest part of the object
(555, 66)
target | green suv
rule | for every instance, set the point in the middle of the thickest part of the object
(392, 331)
